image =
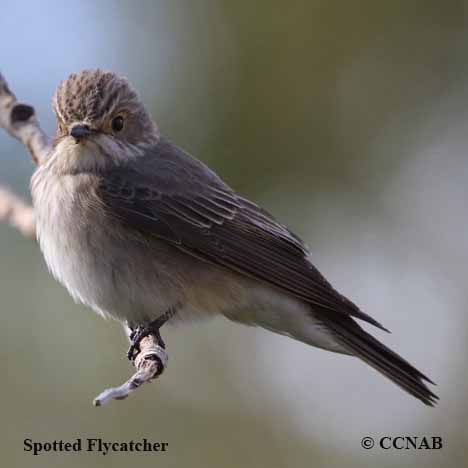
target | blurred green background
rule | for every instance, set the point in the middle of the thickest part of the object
(348, 121)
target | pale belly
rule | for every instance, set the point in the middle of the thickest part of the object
(117, 276)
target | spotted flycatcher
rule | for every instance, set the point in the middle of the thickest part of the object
(140, 231)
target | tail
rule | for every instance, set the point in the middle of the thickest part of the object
(363, 345)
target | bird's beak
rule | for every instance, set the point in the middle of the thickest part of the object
(79, 131)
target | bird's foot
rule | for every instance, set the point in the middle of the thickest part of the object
(156, 352)
(138, 333)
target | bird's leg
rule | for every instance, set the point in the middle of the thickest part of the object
(140, 332)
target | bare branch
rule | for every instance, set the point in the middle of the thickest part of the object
(20, 121)
(17, 213)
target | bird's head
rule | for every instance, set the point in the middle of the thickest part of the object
(100, 110)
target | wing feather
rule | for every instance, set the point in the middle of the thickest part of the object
(170, 195)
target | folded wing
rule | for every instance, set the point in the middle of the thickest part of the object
(174, 197)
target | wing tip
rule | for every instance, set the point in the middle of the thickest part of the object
(367, 318)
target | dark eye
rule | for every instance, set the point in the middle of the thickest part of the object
(117, 123)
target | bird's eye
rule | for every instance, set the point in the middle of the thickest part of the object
(117, 123)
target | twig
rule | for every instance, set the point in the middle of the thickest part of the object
(17, 213)
(150, 362)
(19, 120)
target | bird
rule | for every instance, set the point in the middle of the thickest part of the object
(140, 231)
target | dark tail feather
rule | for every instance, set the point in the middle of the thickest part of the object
(366, 347)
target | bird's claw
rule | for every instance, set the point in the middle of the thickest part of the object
(138, 334)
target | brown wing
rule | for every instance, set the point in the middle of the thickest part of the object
(168, 194)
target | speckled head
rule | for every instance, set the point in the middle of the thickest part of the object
(98, 101)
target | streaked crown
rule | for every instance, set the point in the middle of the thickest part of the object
(91, 95)
(97, 104)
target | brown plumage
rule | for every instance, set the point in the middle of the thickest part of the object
(147, 226)
(90, 95)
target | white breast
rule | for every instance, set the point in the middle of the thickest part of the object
(62, 246)
(115, 275)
